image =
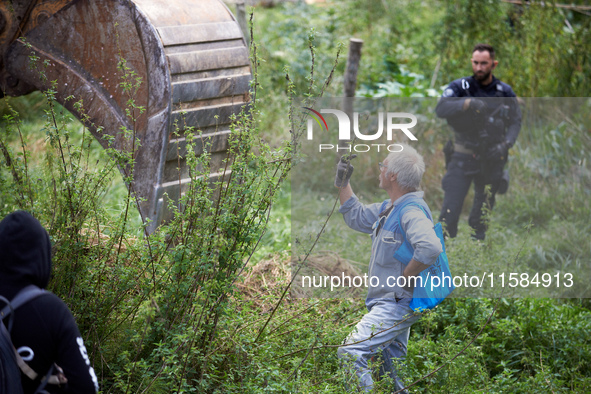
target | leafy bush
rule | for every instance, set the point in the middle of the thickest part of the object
(171, 312)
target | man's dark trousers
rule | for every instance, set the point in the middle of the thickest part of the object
(462, 170)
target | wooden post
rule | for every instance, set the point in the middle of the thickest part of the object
(350, 81)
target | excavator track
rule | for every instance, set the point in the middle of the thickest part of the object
(189, 56)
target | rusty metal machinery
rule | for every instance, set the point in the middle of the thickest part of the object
(191, 58)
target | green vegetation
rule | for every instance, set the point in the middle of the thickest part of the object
(195, 308)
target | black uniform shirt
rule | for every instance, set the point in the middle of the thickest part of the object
(465, 123)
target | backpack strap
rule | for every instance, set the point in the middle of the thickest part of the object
(5, 332)
(405, 252)
(401, 209)
(25, 295)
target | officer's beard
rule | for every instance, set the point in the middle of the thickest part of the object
(482, 77)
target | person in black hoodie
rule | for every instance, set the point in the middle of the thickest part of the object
(44, 331)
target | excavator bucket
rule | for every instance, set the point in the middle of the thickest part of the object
(152, 67)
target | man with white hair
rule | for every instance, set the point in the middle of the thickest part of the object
(403, 244)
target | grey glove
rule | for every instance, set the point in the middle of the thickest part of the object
(477, 106)
(498, 152)
(344, 171)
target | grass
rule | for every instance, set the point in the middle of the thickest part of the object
(533, 344)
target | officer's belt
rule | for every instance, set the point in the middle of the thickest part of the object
(462, 149)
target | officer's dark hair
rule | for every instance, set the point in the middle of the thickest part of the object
(485, 47)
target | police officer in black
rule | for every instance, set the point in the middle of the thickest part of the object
(485, 117)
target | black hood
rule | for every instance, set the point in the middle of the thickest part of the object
(25, 253)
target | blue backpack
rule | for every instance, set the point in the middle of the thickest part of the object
(10, 361)
(436, 281)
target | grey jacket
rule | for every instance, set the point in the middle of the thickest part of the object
(384, 269)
